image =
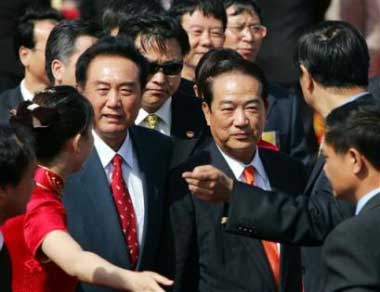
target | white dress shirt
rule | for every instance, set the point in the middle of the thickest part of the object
(364, 200)
(131, 174)
(165, 117)
(26, 94)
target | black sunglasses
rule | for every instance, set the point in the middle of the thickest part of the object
(169, 68)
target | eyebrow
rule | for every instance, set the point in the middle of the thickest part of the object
(253, 100)
(125, 83)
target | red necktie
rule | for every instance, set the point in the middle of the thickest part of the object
(124, 206)
(270, 247)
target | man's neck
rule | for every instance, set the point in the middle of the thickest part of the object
(188, 73)
(328, 99)
(33, 85)
(371, 182)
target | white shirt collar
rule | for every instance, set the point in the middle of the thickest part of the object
(1, 240)
(26, 94)
(238, 167)
(164, 113)
(355, 97)
(364, 200)
(106, 153)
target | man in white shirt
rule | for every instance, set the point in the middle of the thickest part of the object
(164, 43)
(350, 257)
(115, 204)
(207, 258)
(31, 35)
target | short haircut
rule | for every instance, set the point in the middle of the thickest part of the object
(356, 125)
(119, 46)
(118, 11)
(244, 5)
(229, 65)
(16, 154)
(63, 113)
(155, 30)
(335, 54)
(208, 61)
(61, 42)
(24, 36)
(212, 8)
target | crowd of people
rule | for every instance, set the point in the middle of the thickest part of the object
(151, 149)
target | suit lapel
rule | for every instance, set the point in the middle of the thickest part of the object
(253, 246)
(151, 193)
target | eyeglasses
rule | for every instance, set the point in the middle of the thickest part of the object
(257, 29)
(169, 68)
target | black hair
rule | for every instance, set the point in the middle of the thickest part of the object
(24, 34)
(156, 29)
(118, 11)
(119, 46)
(61, 42)
(221, 61)
(56, 115)
(208, 61)
(16, 154)
(335, 54)
(355, 125)
(212, 8)
(244, 5)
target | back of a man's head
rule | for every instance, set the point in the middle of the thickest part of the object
(62, 40)
(335, 54)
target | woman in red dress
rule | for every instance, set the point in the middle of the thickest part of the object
(44, 256)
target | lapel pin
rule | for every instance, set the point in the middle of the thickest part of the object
(190, 134)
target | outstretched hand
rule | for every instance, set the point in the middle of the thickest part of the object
(209, 183)
(148, 282)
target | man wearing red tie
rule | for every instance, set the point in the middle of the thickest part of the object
(207, 258)
(115, 203)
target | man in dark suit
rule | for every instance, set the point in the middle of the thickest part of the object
(350, 253)
(164, 43)
(245, 34)
(124, 230)
(207, 258)
(32, 33)
(17, 165)
(308, 218)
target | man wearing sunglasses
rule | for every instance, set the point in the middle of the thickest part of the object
(164, 43)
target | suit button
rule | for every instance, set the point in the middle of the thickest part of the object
(240, 228)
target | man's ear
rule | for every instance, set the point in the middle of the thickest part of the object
(207, 112)
(57, 68)
(357, 161)
(306, 78)
(24, 55)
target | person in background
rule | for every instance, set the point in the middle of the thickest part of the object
(44, 256)
(32, 32)
(17, 165)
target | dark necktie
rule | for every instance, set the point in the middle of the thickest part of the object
(124, 206)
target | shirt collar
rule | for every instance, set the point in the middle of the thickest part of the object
(364, 200)
(238, 167)
(106, 153)
(164, 113)
(26, 94)
(355, 97)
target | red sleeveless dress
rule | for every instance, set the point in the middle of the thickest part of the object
(31, 271)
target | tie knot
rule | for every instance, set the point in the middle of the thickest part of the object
(152, 120)
(117, 160)
(249, 174)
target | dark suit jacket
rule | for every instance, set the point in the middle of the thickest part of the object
(187, 117)
(5, 270)
(304, 219)
(92, 217)
(351, 256)
(209, 259)
(9, 99)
